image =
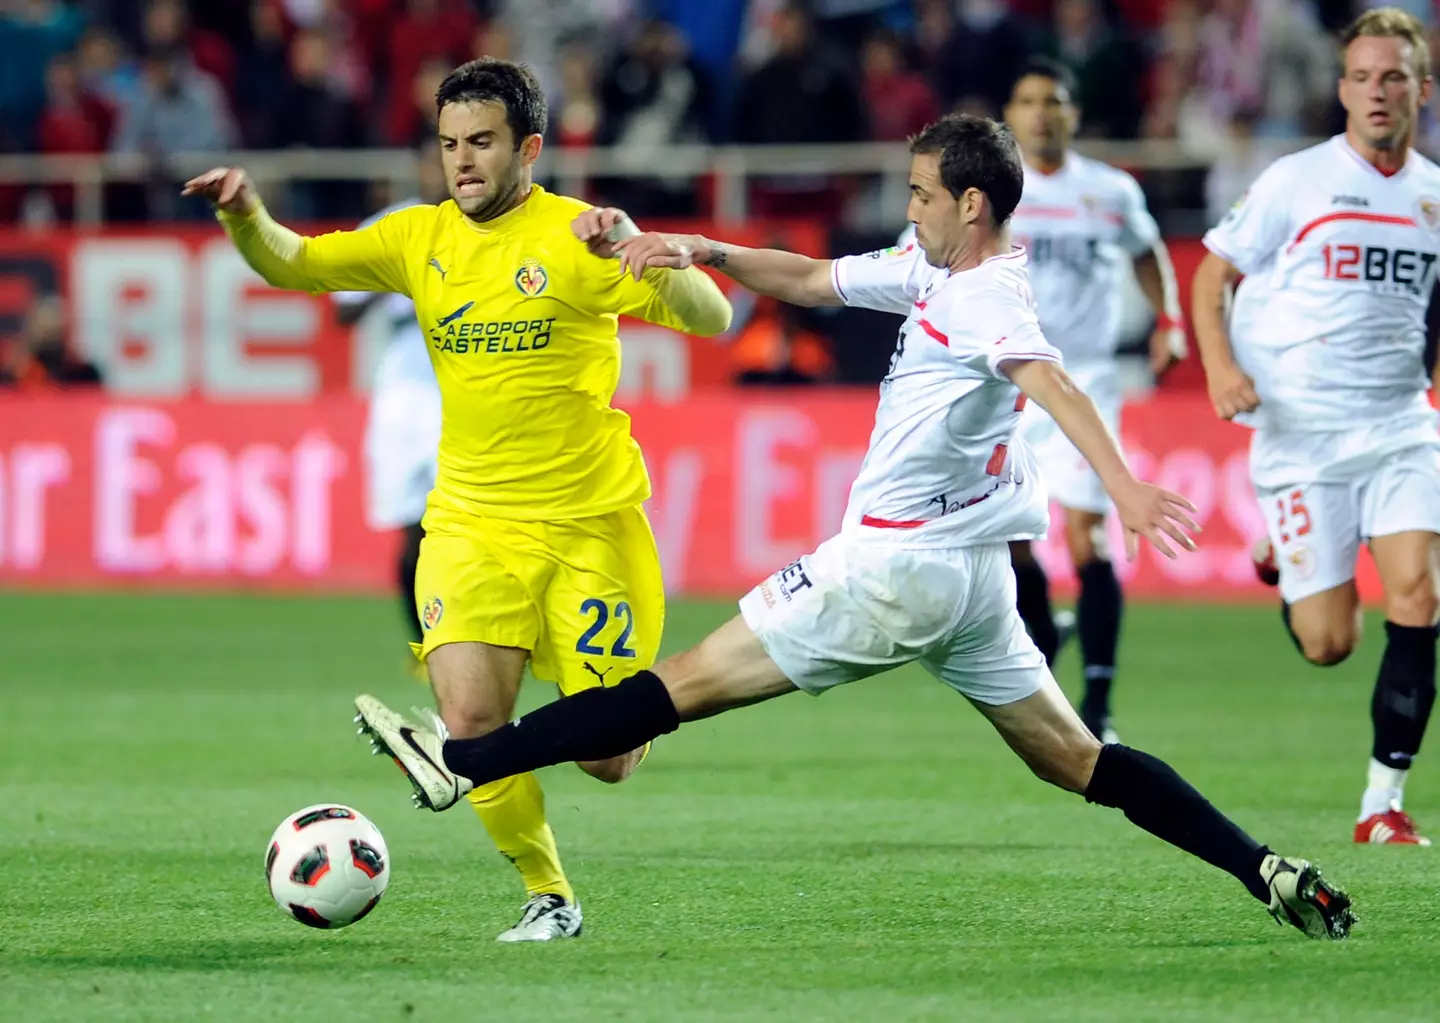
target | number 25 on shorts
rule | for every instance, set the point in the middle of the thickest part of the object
(1297, 515)
(588, 644)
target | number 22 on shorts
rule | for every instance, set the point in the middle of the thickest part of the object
(587, 645)
(1298, 515)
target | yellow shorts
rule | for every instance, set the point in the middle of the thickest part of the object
(584, 596)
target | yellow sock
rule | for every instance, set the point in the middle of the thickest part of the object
(513, 811)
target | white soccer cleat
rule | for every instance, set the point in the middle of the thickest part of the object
(545, 918)
(416, 749)
(1301, 897)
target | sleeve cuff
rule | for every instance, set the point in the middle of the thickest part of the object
(1218, 250)
(835, 280)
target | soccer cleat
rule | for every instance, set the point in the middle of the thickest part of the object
(416, 749)
(1301, 897)
(544, 918)
(1262, 555)
(1393, 827)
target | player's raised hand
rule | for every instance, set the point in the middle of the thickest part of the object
(1148, 511)
(672, 251)
(226, 188)
(1232, 391)
(600, 227)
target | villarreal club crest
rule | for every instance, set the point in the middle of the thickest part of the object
(531, 278)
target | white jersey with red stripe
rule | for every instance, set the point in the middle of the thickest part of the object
(944, 468)
(1081, 226)
(1339, 261)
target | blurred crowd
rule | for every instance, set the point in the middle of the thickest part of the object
(157, 77)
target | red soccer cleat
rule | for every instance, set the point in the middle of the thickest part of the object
(1393, 827)
(1262, 554)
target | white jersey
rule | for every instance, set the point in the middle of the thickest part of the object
(1082, 226)
(1339, 261)
(406, 359)
(402, 427)
(944, 468)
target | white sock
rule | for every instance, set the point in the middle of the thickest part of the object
(1386, 786)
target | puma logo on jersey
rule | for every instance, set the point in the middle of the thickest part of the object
(455, 315)
(598, 674)
(1349, 200)
(438, 268)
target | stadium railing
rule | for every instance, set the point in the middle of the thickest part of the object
(732, 167)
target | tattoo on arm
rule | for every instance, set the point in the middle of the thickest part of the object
(718, 256)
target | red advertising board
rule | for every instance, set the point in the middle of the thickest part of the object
(174, 312)
(98, 492)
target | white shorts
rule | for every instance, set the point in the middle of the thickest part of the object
(1067, 475)
(1337, 497)
(402, 439)
(851, 610)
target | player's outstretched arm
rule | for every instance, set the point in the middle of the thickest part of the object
(1232, 391)
(1144, 510)
(1155, 274)
(788, 276)
(365, 260)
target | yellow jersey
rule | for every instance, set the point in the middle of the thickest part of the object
(521, 321)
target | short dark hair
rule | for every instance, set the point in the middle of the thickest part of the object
(512, 85)
(1047, 67)
(976, 152)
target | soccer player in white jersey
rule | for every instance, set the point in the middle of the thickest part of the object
(1323, 356)
(1081, 221)
(920, 570)
(402, 424)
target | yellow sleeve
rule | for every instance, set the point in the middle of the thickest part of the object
(370, 259)
(687, 300)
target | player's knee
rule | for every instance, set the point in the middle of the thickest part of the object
(1413, 601)
(1328, 646)
(469, 721)
(1082, 547)
(614, 770)
(1067, 762)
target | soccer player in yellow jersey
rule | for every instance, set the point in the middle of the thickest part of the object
(536, 548)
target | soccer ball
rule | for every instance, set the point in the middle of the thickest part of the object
(327, 865)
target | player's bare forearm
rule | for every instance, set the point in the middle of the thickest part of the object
(1232, 392)
(1048, 385)
(1160, 516)
(788, 276)
(1209, 301)
(1155, 274)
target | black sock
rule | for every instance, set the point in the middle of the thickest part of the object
(594, 724)
(1032, 600)
(1097, 619)
(1290, 629)
(405, 578)
(1157, 799)
(1404, 693)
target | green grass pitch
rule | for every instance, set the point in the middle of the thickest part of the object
(875, 855)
